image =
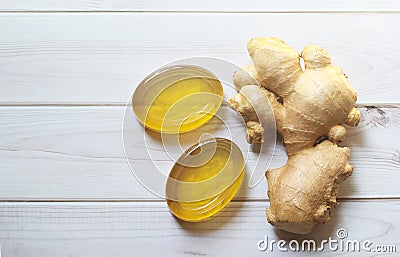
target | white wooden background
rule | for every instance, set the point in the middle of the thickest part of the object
(67, 68)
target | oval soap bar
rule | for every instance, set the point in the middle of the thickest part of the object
(204, 179)
(177, 99)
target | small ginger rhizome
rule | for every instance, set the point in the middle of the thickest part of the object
(310, 104)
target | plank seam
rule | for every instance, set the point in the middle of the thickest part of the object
(349, 199)
(201, 12)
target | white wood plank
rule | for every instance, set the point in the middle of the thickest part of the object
(77, 153)
(202, 6)
(148, 229)
(99, 58)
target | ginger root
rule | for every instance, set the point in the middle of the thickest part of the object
(310, 103)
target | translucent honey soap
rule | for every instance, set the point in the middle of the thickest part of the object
(204, 179)
(177, 99)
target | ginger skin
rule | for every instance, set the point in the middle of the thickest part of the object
(303, 192)
(308, 105)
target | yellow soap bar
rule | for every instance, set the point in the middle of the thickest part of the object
(205, 179)
(177, 99)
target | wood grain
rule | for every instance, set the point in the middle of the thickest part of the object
(148, 229)
(203, 6)
(69, 153)
(79, 58)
